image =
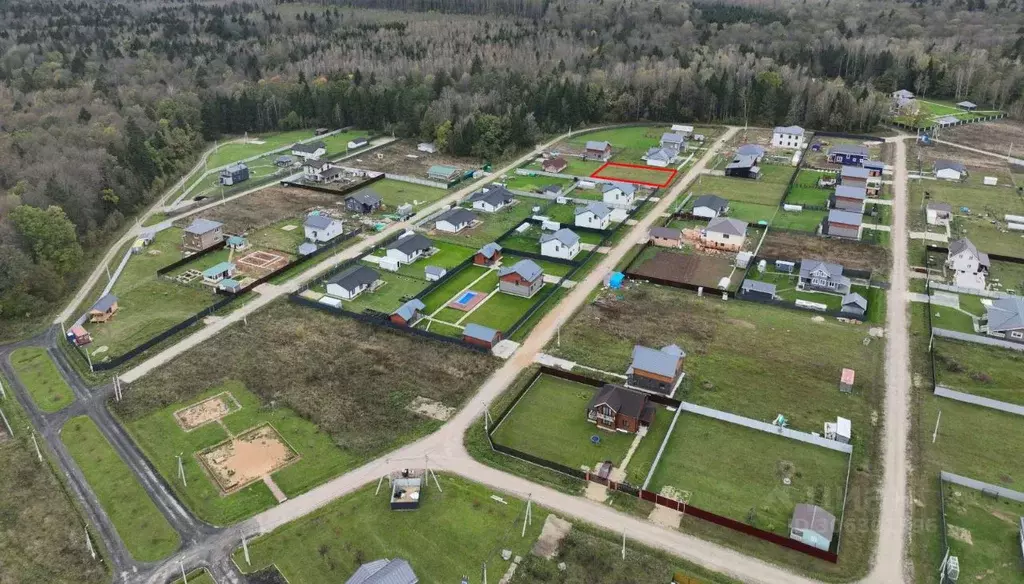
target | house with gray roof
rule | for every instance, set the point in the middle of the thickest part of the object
(597, 150)
(524, 278)
(104, 308)
(480, 335)
(969, 265)
(487, 255)
(619, 408)
(674, 142)
(666, 236)
(201, 234)
(434, 273)
(845, 224)
(939, 213)
(321, 228)
(791, 137)
(822, 276)
(397, 571)
(234, 174)
(562, 244)
(757, 290)
(351, 282)
(619, 194)
(655, 369)
(743, 166)
(315, 149)
(754, 150)
(408, 248)
(365, 201)
(950, 169)
(1004, 319)
(710, 206)
(306, 248)
(594, 216)
(813, 526)
(967, 105)
(724, 233)
(659, 157)
(849, 198)
(492, 199)
(408, 313)
(454, 220)
(854, 304)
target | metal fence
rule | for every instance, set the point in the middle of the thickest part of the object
(340, 192)
(417, 181)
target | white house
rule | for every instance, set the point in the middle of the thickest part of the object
(710, 206)
(320, 228)
(618, 194)
(491, 200)
(309, 150)
(970, 266)
(788, 137)
(561, 244)
(673, 141)
(313, 167)
(351, 282)
(659, 157)
(683, 129)
(950, 170)
(939, 213)
(358, 143)
(408, 248)
(454, 220)
(725, 234)
(594, 215)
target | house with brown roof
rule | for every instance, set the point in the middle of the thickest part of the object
(620, 409)
(555, 165)
(666, 237)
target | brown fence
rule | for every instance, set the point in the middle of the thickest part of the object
(680, 506)
(340, 192)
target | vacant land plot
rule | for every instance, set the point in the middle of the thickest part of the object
(997, 137)
(296, 454)
(352, 382)
(1008, 276)
(807, 221)
(633, 173)
(256, 145)
(851, 254)
(628, 144)
(267, 206)
(396, 193)
(451, 535)
(686, 268)
(753, 212)
(403, 158)
(41, 532)
(145, 532)
(930, 111)
(534, 183)
(38, 373)
(744, 190)
(990, 372)
(490, 228)
(748, 475)
(984, 533)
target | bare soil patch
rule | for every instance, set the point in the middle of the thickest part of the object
(262, 262)
(425, 406)
(976, 162)
(691, 269)
(403, 158)
(851, 254)
(992, 136)
(247, 458)
(555, 530)
(960, 534)
(206, 411)
(265, 207)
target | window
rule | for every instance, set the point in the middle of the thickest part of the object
(1017, 335)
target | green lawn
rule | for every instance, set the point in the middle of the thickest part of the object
(448, 255)
(228, 153)
(395, 193)
(628, 144)
(990, 372)
(742, 190)
(198, 577)
(451, 535)
(654, 176)
(564, 214)
(502, 310)
(491, 226)
(580, 168)
(274, 237)
(986, 204)
(454, 284)
(337, 144)
(565, 435)
(139, 523)
(389, 296)
(952, 319)
(535, 183)
(803, 221)
(752, 212)
(738, 472)
(984, 534)
(162, 439)
(40, 376)
(808, 195)
(1009, 275)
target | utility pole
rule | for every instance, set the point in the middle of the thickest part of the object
(3, 394)
(935, 434)
(623, 544)
(88, 358)
(181, 471)
(184, 577)
(528, 517)
(39, 453)
(88, 542)
(245, 550)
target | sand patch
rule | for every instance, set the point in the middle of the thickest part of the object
(247, 458)
(665, 517)
(551, 536)
(209, 410)
(596, 492)
(289, 227)
(425, 406)
(960, 534)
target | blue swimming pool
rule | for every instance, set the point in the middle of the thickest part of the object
(466, 297)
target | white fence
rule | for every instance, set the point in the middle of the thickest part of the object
(979, 339)
(982, 486)
(524, 172)
(416, 181)
(971, 291)
(767, 428)
(946, 392)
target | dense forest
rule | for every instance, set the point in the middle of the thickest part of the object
(104, 103)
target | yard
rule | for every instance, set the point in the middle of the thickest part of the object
(403, 157)
(753, 212)
(983, 221)
(741, 190)
(396, 193)
(984, 533)
(981, 370)
(739, 472)
(808, 195)
(502, 310)
(388, 297)
(42, 536)
(448, 255)
(518, 182)
(139, 523)
(162, 438)
(850, 254)
(38, 373)
(930, 111)
(648, 176)
(491, 226)
(800, 221)
(688, 268)
(256, 145)
(454, 284)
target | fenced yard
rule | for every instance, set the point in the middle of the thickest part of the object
(689, 269)
(490, 227)
(984, 533)
(980, 370)
(403, 158)
(978, 212)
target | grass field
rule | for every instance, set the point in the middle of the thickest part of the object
(445, 292)
(652, 176)
(41, 378)
(534, 183)
(41, 532)
(162, 439)
(980, 370)
(742, 190)
(984, 534)
(228, 153)
(388, 297)
(491, 226)
(738, 472)
(808, 195)
(753, 212)
(395, 193)
(503, 310)
(145, 532)
(803, 221)
(986, 204)
(929, 111)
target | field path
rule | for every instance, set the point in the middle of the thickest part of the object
(977, 150)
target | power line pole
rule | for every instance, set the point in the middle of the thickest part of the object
(181, 471)
(88, 542)
(39, 453)
(245, 549)
(184, 576)
(3, 394)
(935, 434)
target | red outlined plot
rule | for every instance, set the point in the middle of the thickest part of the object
(629, 170)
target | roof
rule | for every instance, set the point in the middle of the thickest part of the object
(309, 147)
(854, 172)
(795, 130)
(712, 202)
(750, 150)
(844, 217)
(104, 303)
(236, 167)
(848, 376)
(758, 286)
(442, 170)
(958, 245)
(218, 269)
(624, 187)
(657, 361)
(552, 188)
(904, 93)
(848, 192)
(201, 226)
(528, 269)
(967, 104)
(947, 120)
(813, 518)
(727, 226)
(557, 161)
(316, 162)
(489, 250)
(657, 153)
(285, 158)
(410, 244)
(855, 149)
(456, 216)
(600, 210)
(78, 330)
(434, 270)
(1006, 314)
(672, 137)
(236, 240)
(408, 310)
(479, 332)
(856, 300)
(943, 164)
(666, 233)
(397, 571)
(563, 235)
(597, 145)
(495, 196)
(620, 399)
(360, 140)
(332, 172)
(230, 283)
(807, 266)
(367, 197)
(873, 164)
(943, 207)
(742, 161)
(318, 221)
(354, 277)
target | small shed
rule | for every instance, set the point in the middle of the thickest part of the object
(812, 525)
(230, 285)
(434, 273)
(840, 430)
(784, 266)
(991, 181)
(969, 106)
(104, 309)
(306, 248)
(846, 380)
(405, 492)
(79, 336)
(237, 242)
(477, 334)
